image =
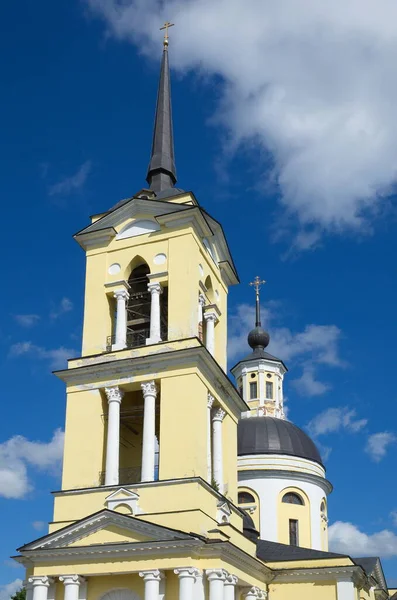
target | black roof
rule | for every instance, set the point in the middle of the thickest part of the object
(259, 353)
(268, 435)
(273, 552)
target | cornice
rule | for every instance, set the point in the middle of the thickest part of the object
(284, 474)
(118, 372)
(347, 573)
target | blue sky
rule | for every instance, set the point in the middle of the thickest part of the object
(304, 190)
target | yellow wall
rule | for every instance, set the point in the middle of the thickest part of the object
(303, 591)
(294, 511)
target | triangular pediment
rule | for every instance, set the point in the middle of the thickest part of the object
(105, 527)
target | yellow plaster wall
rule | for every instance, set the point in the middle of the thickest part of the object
(99, 586)
(303, 591)
(294, 511)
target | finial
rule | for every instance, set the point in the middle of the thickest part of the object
(258, 338)
(257, 284)
(166, 27)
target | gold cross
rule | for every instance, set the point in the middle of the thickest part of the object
(167, 25)
(257, 283)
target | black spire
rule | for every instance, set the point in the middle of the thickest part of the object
(161, 173)
(258, 338)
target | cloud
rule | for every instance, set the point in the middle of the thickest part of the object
(312, 83)
(18, 455)
(8, 590)
(314, 346)
(57, 357)
(378, 444)
(348, 539)
(336, 419)
(393, 516)
(70, 184)
(27, 320)
(65, 306)
(39, 525)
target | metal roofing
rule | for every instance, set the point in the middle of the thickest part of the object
(269, 435)
(273, 552)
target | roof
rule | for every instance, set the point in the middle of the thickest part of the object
(269, 435)
(258, 354)
(274, 551)
(373, 568)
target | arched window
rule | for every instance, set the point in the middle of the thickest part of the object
(292, 498)
(138, 307)
(245, 498)
(323, 507)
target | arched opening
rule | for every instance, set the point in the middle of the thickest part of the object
(292, 498)
(138, 307)
(245, 498)
(209, 289)
(120, 594)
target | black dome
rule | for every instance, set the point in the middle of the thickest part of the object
(268, 435)
(258, 338)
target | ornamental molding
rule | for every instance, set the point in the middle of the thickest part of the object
(108, 371)
(251, 593)
(153, 575)
(210, 401)
(216, 574)
(231, 579)
(40, 580)
(188, 572)
(114, 394)
(149, 389)
(219, 415)
(352, 573)
(155, 288)
(123, 294)
(72, 579)
(324, 484)
(101, 520)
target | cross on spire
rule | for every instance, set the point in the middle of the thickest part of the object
(166, 27)
(257, 284)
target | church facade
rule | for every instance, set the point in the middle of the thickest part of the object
(178, 483)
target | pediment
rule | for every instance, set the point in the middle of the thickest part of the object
(105, 527)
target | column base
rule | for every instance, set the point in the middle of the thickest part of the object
(153, 340)
(119, 346)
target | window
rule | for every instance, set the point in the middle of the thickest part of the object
(253, 390)
(245, 498)
(269, 390)
(293, 532)
(292, 498)
(322, 507)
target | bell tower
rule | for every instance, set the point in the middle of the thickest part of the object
(149, 404)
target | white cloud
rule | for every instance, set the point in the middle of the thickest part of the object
(65, 306)
(313, 83)
(393, 516)
(316, 344)
(18, 455)
(39, 525)
(378, 444)
(336, 419)
(8, 590)
(347, 538)
(27, 320)
(70, 184)
(57, 357)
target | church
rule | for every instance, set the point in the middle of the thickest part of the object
(187, 484)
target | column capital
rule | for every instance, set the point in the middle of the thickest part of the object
(149, 388)
(153, 575)
(231, 579)
(210, 400)
(71, 579)
(187, 572)
(40, 580)
(210, 316)
(114, 394)
(216, 574)
(122, 294)
(201, 299)
(154, 287)
(253, 593)
(219, 415)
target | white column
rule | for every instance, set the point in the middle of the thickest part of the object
(152, 584)
(345, 590)
(149, 426)
(230, 587)
(29, 589)
(210, 320)
(155, 331)
(244, 378)
(121, 319)
(187, 577)
(201, 305)
(72, 586)
(210, 402)
(199, 587)
(216, 578)
(114, 396)
(217, 455)
(261, 381)
(40, 585)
